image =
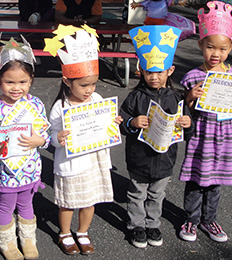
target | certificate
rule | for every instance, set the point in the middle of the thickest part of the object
(136, 16)
(22, 112)
(91, 126)
(9, 140)
(163, 130)
(217, 94)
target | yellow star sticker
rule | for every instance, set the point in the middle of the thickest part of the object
(142, 38)
(63, 30)
(90, 30)
(168, 38)
(155, 58)
(52, 45)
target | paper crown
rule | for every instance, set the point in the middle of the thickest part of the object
(217, 21)
(155, 46)
(13, 50)
(80, 58)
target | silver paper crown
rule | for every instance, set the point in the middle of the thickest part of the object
(13, 50)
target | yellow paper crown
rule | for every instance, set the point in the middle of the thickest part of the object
(80, 58)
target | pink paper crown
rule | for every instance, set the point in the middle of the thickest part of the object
(217, 21)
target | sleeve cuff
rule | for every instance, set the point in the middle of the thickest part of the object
(128, 125)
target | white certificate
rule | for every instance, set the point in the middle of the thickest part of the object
(22, 112)
(137, 15)
(92, 126)
(163, 130)
(217, 94)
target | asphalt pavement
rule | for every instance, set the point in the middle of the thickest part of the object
(108, 229)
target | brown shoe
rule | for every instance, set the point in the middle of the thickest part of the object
(85, 248)
(68, 245)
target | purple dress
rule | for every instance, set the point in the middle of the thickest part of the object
(208, 159)
(155, 9)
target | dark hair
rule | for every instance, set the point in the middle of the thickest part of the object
(63, 93)
(26, 67)
(143, 83)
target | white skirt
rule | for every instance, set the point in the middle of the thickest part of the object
(87, 188)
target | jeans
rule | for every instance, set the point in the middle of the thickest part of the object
(201, 203)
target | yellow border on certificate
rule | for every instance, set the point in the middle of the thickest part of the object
(201, 104)
(112, 130)
(39, 126)
(177, 130)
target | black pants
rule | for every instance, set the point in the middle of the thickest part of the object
(201, 203)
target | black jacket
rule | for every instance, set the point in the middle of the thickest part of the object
(28, 7)
(84, 8)
(140, 158)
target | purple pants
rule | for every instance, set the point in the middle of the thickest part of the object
(10, 201)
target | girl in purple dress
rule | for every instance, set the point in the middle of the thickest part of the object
(157, 10)
(208, 160)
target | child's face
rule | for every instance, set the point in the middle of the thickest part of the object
(157, 79)
(216, 49)
(14, 84)
(82, 88)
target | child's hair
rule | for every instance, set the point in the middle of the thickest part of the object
(26, 67)
(63, 93)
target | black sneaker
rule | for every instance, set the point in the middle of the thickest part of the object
(154, 237)
(138, 237)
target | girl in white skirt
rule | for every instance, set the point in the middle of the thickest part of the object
(82, 181)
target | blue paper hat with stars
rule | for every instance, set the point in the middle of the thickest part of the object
(155, 46)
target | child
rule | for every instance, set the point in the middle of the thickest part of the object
(17, 190)
(157, 14)
(157, 10)
(150, 171)
(208, 160)
(82, 181)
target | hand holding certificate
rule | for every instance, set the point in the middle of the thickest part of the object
(9, 140)
(92, 127)
(22, 112)
(163, 130)
(217, 95)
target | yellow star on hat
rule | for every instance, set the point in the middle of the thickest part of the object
(168, 38)
(90, 30)
(63, 30)
(52, 45)
(142, 38)
(155, 58)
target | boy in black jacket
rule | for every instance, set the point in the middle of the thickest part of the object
(150, 170)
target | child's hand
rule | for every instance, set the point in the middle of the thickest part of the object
(118, 120)
(62, 136)
(30, 142)
(184, 121)
(134, 5)
(140, 122)
(194, 93)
